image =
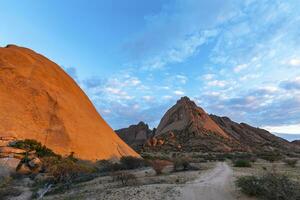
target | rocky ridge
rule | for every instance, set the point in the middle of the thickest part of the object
(135, 135)
(187, 127)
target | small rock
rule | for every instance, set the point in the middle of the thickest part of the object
(9, 163)
(35, 162)
(23, 169)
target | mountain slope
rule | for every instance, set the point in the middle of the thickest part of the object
(254, 138)
(186, 113)
(40, 101)
(135, 135)
(187, 127)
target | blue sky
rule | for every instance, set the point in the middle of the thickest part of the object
(135, 58)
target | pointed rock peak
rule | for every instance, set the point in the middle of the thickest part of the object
(185, 114)
(141, 123)
(184, 99)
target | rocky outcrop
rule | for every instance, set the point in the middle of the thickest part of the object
(135, 135)
(18, 160)
(253, 138)
(187, 127)
(186, 114)
(40, 101)
(296, 142)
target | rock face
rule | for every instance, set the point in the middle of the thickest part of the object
(185, 113)
(40, 101)
(135, 135)
(187, 127)
(296, 142)
(253, 138)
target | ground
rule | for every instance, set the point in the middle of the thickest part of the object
(213, 181)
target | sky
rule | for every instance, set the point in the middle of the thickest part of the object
(135, 59)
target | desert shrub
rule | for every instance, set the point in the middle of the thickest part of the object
(271, 186)
(7, 189)
(241, 163)
(159, 165)
(291, 162)
(124, 177)
(130, 162)
(155, 157)
(279, 187)
(65, 169)
(270, 156)
(181, 164)
(126, 163)
(107, 166)
(250, 185)
(33, 145)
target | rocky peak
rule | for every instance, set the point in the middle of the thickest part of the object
(135, 135)
(185, 114)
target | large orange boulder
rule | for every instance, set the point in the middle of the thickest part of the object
(39, 101)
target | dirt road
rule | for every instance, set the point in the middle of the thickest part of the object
(213, 185)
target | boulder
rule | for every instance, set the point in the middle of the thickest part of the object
(9, 164)
(10, 150)
(35, 164)
(23, 169)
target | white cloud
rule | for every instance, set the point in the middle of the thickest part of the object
(239, 68)
(217, 83)
(288, 129)
(167, 97)
(295, 62)
(182, 79)
(114, 91)
(148, 98)
(179, 92)
(249, 77)
(181, 50)
(135, 82)
(208, 77)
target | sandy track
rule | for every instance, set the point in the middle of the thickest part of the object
(212, 185)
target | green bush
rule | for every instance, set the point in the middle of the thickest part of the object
(271, 186)
(126, 163)
(250, 185)
(130, 162)
(125, 178)
(33, 145)
(242, 163)
(6, 188)
(270, 156)
(65, 169)
(103, 166)
(181, 164)
(291, 162)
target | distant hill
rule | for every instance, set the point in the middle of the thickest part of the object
(135, 135)
(187, 127)
(289, 137)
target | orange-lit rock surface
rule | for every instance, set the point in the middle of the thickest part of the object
(38, 100)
